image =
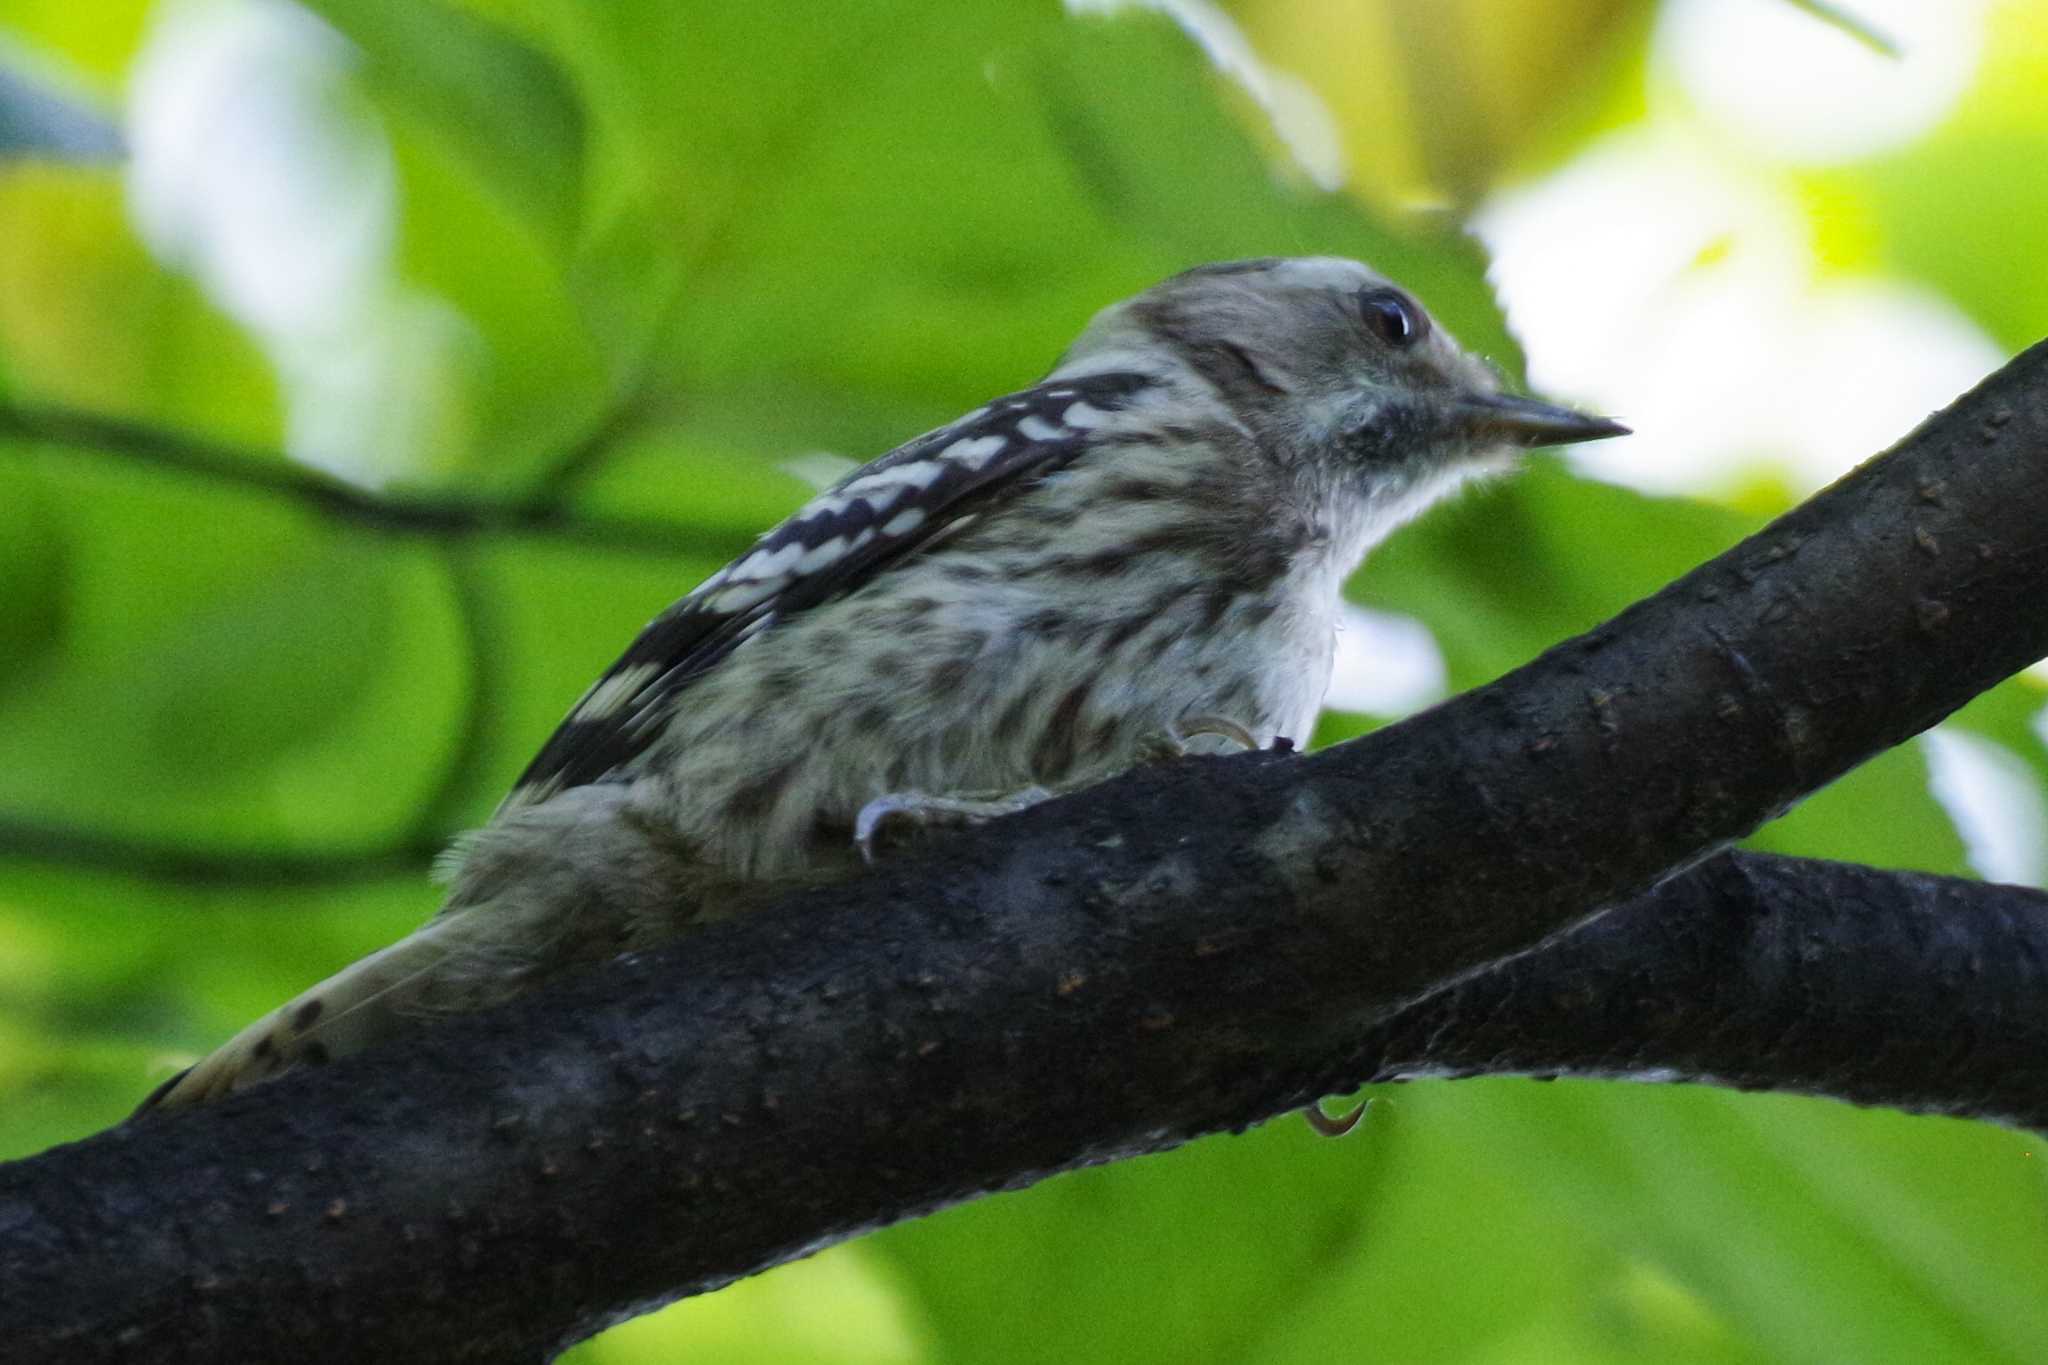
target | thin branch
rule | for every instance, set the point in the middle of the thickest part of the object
(446, 806)
(1186, 949)
(436, 516)
(30, 839)
(560, 481)
(1854, 25)
(451, 520)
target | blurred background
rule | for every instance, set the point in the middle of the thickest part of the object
(371, 370)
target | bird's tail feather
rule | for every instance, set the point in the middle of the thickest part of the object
(548, 888)
(356, 1007)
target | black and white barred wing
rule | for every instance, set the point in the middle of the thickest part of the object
(828, 548)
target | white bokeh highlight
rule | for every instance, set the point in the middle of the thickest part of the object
(1386, 664)
(1793, 88)
(1299, 118)
(257, 170)
(1995, 802)
(1657, 279)
(242, 136)
(1669, 275)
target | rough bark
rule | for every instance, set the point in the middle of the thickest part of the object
(1187, 949)
(1765, 973)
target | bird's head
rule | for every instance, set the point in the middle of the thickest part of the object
(1326, 362)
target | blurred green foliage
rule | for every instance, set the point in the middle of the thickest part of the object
(684, 244)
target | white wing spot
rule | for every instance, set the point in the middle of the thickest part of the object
(821, 554)
(1084, 417)
(904, 522)
(602, 700)
(1038, 429)
(739, 596)
(974, 451)
(768, 563)
(826, 505)
(920, 473)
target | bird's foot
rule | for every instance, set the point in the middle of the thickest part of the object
(926, 811)
(1174, 740)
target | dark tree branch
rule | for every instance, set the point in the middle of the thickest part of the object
(1186, 949)
(1767, 973)
(1749, 970)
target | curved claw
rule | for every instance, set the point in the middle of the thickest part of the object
(869, 821)
(1222, 726)
(930, 810)
(1331, 1125)
(1172, 742)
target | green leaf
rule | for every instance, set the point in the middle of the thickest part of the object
(32, 566)
(89, 320)
(1057, 164)
(1054, 1273)
(232, 673)
(503, 103)
(1814, 1229)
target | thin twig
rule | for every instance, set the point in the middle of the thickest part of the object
(442, 516)
(445, 807)
(1854, 25)
(29, 839)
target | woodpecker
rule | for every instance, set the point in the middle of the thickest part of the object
(1149, 543)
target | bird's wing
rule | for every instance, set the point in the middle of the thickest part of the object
(828, 548)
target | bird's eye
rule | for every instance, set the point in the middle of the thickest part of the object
(1393, 316)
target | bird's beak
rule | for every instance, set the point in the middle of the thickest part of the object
(1526, 422)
